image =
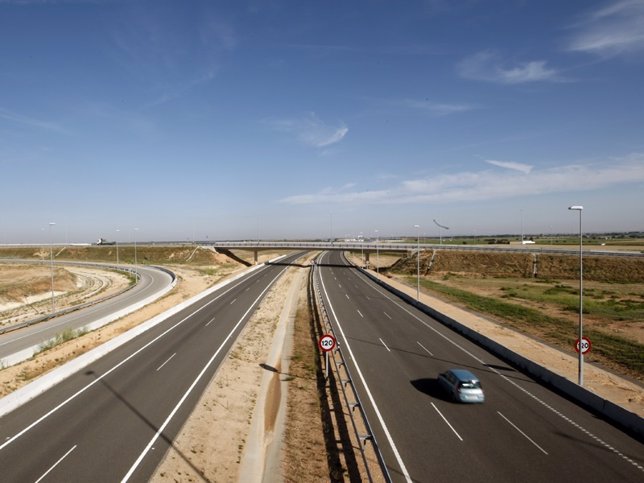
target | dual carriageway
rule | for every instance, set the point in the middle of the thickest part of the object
(114, 420)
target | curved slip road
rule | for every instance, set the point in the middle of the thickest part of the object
(20, 344)
(523, 432)
(115, 419)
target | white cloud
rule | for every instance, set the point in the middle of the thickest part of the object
(436, 108)
(487, 66)
(523, 168)
(518, 181)
(311, 130)
(612, 30)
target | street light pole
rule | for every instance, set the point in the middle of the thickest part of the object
(135, 230)
(580, 373)
(117, 246)
(51, 266)
(377, 256)
(417, 262)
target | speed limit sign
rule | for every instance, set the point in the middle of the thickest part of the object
(585, 345)
(327, 342)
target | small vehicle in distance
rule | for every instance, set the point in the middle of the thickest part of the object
(462, 385)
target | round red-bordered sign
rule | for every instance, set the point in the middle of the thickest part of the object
(327, 343)
(585, 346)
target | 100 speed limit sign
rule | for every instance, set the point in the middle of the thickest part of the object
(327, 342)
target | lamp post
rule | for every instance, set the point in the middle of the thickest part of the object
(580, 376)
(417, 262)
(117, 247)
(135, 261)
(377, 256)
(51, 266)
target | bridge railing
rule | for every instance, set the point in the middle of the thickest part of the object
(411, 247)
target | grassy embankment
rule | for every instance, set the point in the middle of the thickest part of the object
(546, 306)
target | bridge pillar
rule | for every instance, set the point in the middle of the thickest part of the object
(366, 258)
(255, 257)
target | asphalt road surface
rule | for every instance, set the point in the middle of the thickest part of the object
(114, 420)
(523, 431)
(151, 281)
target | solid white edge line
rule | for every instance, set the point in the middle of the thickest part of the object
(426, 349)
(105, 374)
(403, 468)
(383, 343)
(56, 464)
(524, 390)
(159, 368)
(194, 383)
(525, 435)
(446, 421)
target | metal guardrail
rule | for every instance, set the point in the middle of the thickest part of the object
(58, 313)
(355, 402)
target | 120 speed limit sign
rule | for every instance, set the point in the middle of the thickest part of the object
(585, 345)
(327, 342)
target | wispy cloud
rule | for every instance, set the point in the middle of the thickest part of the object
(173, 54)
(20, 119)
(615, 29)
(488, 66)
(311, 130)
(435, 108)
(489, 184)
(523, 168)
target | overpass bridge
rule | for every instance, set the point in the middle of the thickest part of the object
(368, 247)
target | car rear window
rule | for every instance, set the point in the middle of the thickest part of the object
(469, 385)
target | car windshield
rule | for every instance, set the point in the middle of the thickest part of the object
(469, 385)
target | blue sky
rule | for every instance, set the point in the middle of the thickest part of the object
(245, 119)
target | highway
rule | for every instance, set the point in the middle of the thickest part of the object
(523, 431)
(151, 281)
(114, 420)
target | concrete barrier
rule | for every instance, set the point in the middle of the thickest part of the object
(26, 393)
(627, 421)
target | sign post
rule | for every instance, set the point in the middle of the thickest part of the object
(327, 343)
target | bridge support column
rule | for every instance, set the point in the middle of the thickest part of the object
(366, 259)
(255, 257)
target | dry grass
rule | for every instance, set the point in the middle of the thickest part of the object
(305, 457)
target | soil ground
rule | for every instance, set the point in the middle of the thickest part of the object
(25, 290)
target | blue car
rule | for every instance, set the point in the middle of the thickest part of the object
(462, 385)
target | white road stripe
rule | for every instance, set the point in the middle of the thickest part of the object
(445, 419)
(234, 300)
(383, 343)
(388, 316)
(394, 449)
(360, 313)
(543, 403)
(425, 348)
(115, 367)
(158, 368)
(210, 322)
(525, 435)
(55, 464)
(347, 296)
(196, 381)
